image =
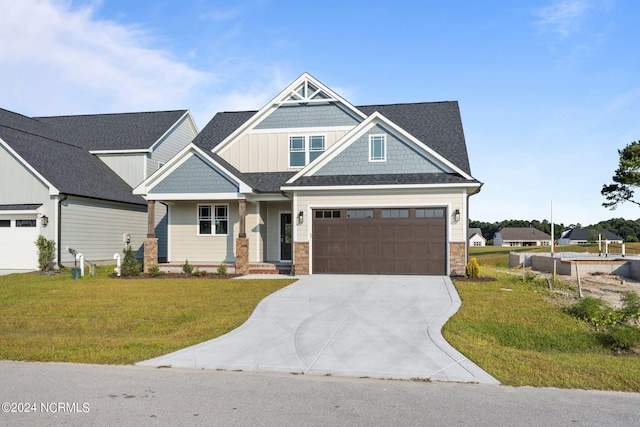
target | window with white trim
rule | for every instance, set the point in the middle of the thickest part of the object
(304, 149)
(213, 220)
(377, 148)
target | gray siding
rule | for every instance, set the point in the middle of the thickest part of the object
(195, 176)
(96, 228)
(314, 115)
(171, 144)
(25, 186)
(129, 167)
(401, 158)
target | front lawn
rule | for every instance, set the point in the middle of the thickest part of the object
(514, 331)
(117, 321)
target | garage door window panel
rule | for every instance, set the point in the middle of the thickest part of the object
(25, 222)
(5, 223)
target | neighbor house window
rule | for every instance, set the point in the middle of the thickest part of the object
(213, 220)
(304, 149)
(377, 148)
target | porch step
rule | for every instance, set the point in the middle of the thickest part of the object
(269, 268)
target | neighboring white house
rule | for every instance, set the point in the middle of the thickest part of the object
(521, 236)
(314, 182)
(70, 179)
(476, 238)
(581, 236)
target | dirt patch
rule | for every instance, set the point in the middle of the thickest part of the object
(473, 279)
(178, 276)
(608, 287)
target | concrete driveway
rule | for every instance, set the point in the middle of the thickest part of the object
(353, 325)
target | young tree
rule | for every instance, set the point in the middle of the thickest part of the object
(626, 178)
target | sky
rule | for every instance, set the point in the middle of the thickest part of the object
(548, 90)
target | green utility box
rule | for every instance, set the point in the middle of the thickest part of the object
(75, 273)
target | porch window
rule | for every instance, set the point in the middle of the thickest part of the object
(377, 148)
(213, 220)
(304, 149)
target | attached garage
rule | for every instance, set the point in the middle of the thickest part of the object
(17, 236)
(380, 241)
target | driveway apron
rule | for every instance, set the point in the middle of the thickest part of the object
(354, 325)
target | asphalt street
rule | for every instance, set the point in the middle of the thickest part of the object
(34, 394)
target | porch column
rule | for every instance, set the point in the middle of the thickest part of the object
(242, 243)
(150, 243)
(151, 219)
(242, 204)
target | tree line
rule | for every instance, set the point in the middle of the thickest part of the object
(628, 229)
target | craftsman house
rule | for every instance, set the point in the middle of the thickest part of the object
(70, 179)
(314, 183)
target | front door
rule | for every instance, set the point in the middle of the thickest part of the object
(286, 237)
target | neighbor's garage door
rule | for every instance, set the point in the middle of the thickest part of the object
(379, 241)
(17, 248)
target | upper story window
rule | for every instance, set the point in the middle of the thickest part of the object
(213, 220)
(304, 149)
(377, 148)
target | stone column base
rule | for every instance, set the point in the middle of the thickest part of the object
(242, 255)
(150, 253)
(457, 258)
(301, 258)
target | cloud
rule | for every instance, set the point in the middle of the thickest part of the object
(59, 59)
(564, 17)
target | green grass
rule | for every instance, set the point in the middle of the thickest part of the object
(511, 329)
(118, 321)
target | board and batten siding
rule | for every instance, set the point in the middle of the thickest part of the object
(185, 244)
(451, 199)
(179, 137)
(129, 167)
(269, 151)
(96, 229)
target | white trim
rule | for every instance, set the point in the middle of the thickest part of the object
(379, 187)
(53, 191)
(280, 242)
(302, 130)
(212, 206)
(278, 100)
(169, 230)
(258, 233)
(174, 126)
(133, 151)
(384, 147)
(195, 196)
(307, 147)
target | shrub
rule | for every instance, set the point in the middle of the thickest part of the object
(187, 268)
(595, 311)
(472, 269)
(630, 305)
(154, 271)
(46, 249)
(130, 265)
(222, 269)
(622, 338)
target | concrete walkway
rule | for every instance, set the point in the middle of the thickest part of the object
(353, 325)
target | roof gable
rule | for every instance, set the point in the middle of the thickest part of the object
(523, 233)
(305, 91)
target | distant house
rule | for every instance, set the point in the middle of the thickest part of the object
(521, 236)
(476, 238)
(581, 236)
(70, 179)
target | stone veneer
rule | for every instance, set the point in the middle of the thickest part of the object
(150, 253)
(242, 255)
(457, 258)
(301, 258)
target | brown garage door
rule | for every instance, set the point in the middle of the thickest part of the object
(379, 241)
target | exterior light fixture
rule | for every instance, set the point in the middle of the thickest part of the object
(300, 217)
(456, 215)
(44, 220)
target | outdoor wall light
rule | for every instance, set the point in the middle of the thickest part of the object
(456, 215)
(300, 217)
(44, 220)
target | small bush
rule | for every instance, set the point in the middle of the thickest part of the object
(46, 249)
(222, 269)
(472, 270)
(154, 271)
(187, 268)
(595, 311)
(630, 305)
(130, 265)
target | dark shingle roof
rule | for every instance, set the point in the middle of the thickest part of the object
(126, 131)
(390, 179)
(437, 124)
(67, 166)
(523, 234)
(589, 233)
